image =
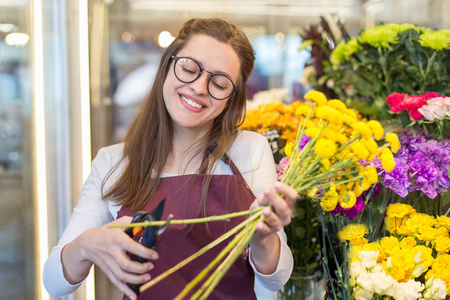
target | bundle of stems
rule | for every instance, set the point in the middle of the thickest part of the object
(243, 233)
(333, 164)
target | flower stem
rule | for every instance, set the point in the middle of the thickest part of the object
(218, 274)
(189, 221)
(230, 247)
(199, 252)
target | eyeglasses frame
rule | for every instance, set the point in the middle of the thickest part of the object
(176, 58)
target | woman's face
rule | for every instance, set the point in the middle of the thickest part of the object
(189, 104)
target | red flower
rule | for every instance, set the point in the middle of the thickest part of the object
(395, 101)
(412, 104)
(432, 95)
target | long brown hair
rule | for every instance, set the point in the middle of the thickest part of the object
(149, 139)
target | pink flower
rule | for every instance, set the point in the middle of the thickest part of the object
(395, 100)
(435, 108)
(412, 104)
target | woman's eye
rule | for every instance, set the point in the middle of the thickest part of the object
(218, 86)
(188, 70)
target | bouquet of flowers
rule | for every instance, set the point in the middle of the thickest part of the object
(410, 262)
(388, 58)
(332, 161)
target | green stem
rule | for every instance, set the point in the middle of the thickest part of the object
(200, 252)
(226, 265)
(212, 264)
(189, 221)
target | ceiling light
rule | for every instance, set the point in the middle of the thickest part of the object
(17, 39)
(165, 38)
(7, 27)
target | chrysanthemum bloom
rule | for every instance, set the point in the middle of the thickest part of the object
(363, 129)
(360, 150)
(400, 28)
(338, 104)
(387, 160)
(436, 40)
(304, 110)
(393, 141)
(376, 128)
(288, 149)
(325, 147)
(317, 97)
(348, 201)
(379, 36)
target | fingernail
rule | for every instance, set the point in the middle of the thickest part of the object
(147, 277)
(277, 184)
(131, 297)
(155, 256)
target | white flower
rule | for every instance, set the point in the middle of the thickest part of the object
(356, 269)
(384, 285)
(366, 282)
(437, 291)
(410, 290)
(363, 295)
(368, 258)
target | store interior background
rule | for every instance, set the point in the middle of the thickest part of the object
(119, 52)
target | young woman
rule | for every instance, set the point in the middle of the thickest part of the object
(184, 146)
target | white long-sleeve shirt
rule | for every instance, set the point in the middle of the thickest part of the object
(250, 153)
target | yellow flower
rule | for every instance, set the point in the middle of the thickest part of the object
(392, 139)
(420, 220)
(398, 273)
(328, 204)
(360, 150)
(363, 129)
(338, 104)
(352, 231)
(371, 145)
(407, 243)
(325, 148)
(427, 233)
(317, 97)
(304, 110)
(442, 244)
(427, 255)
(437, 40)
(399, 210)
(371, 174)
(288, 149)
(379, 37)
(312, 132)
(377, 129)
(444, 221)
(328, 113)
(387, 160)
(348, 120)
(390, 244)
(348, 201)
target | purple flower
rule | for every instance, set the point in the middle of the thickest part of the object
(421, 165)
(303, 141)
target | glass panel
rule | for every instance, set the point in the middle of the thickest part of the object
(17, 279)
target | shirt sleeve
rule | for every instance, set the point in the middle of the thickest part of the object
(253, 156)
(91, 211)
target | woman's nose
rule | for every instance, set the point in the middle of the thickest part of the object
(200, 85)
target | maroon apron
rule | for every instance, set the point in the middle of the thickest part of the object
(226, 194)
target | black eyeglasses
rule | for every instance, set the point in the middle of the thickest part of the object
(188, 70)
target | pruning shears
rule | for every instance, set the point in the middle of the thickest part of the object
(149, 233)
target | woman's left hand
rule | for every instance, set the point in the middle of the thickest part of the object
(280, 215)
(265, 244)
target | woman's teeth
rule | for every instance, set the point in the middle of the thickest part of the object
(191, 103)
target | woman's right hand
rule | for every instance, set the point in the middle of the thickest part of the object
(107, 247)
